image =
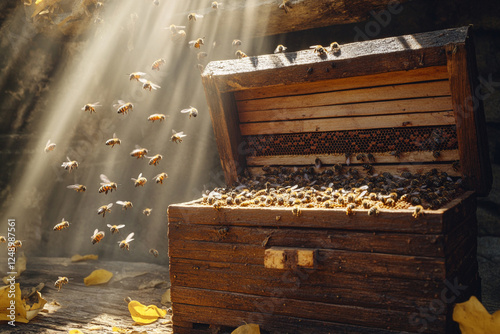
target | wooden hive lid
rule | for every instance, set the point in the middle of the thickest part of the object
(408, 100)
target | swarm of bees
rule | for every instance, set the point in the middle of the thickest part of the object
(298, 188)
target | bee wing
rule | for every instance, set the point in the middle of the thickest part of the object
(96, 104)
(95, 231)
(137, 147)
(143, 80)
(109, 225)
(155, 86)
(110, 205)
(69, 160)
(104, 178)
(48, 143)
(314, 46)
(181, 134)
(184, 111)
(120, 226)
(174, 132)
(198, 16)
(129, 237)
(133, 179)
(139, 176)
(114, 135)
(120, 202)
(119, 103)
(73, 186)
(139, 73)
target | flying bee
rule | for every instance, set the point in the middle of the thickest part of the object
(91, 107)
(139, 152)
(319, 49)
(114, 228)
(285, 6)
(140, 181)
(177, 136)
(61, 225)
(335, 48)
(97, 236)
(280, 49)
(201, 55)
(60, 281)
(240, 54)
(70, 164)
(153, 252)
(104, 208)
(147, 211)
(157, 63)
(236, 42)
(125, 204)
(160, 177)
(197, 43)
(49, 146)
(80, 188)
(3, 239)
(373, 211)
(178, 36)
(154, 160)
(136, 75)
(216, 4)
(146, 84)
(175, 29)
(123, 107)
(194, 16)
(106, 185)
(191, 110)
(124, 244)
(17, 244)
(348, 209)
(113, 141)
(419, 211)
(156, 117)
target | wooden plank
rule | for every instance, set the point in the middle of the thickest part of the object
(470, 120)
(269, 322)
(355, 109)
(352, 315)
(227, 133)
(356, 59)
(380, 79)
(393, 169)
(384, 93)
(387, 265)
(348, 123)
(332, 159)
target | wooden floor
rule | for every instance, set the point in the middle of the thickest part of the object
(93, 309)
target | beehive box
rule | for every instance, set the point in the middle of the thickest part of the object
(400, 99)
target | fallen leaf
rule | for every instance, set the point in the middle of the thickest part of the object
(143, 315)
(99, 276)
(75, 331)
(473, 318)
(247, 329)
(78, 257)
(165, 298)
(24, 311)
(20, 266)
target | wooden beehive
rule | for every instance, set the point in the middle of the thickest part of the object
(324, 271)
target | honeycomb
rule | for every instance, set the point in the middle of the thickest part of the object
(403, 139)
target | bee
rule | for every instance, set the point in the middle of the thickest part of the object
(335, 48)
(114, 228)
(390, 202)
(49, 146)
(456, 165)
(104, 208)
(97, 236)
(70, 164)
(419, 211)
(436, 154)
(113, 141)
(61, 225)
(147, 211)
(407, 123)
(194, 16)
(236, 42)
(178, 35)
(106, 185)
(160, 177)
(123, 107)
(285, 6)
(280, 49)
(18, 243)
(146, 84)
(240, 54)
(153, 252)
(201, 55)
(373, 211)
(60, 281)
(177, 136)
(361, 156)
(396, 154)
(215, 4)
(125, 204)
(368, 168)
(80, 188)
(319, 49)
(3, 239)
(140, 181)
(156, 117)
(157, 63)
(197, 43)
(350, 198)
(338, 168)
(175, 29)
(296, 211)
(139, 152)
(370, 157)
(124, 244)
(191, 110)
(154, 160)
(136, 75)
(405, 198)
(348, 209)
(366, 204)
(91, 107)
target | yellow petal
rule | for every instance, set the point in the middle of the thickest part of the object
(78, 257)
(11, 298)
(119, 330)
(473, 318)
(247, 329)
(33, 310)
(99, 276)
(145, 314)
(75, 331)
